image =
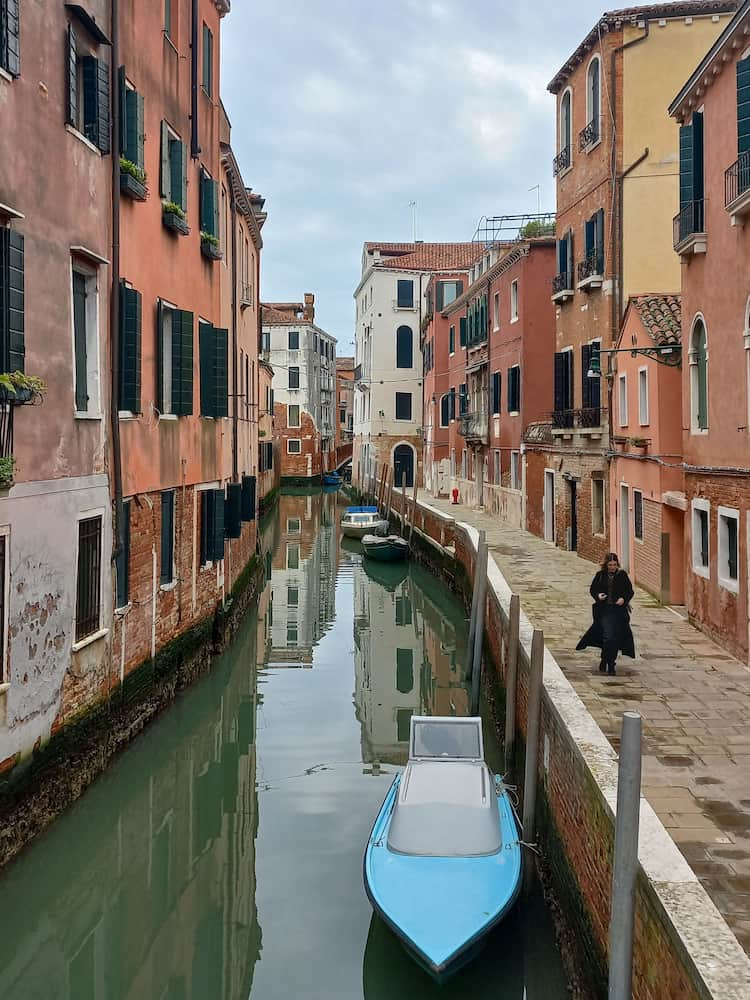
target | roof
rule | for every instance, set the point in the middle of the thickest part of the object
(661, 316)
(426, 256)
(282, 312)
(345, 362)
(513, 253)
(615, 19)
(692, 92)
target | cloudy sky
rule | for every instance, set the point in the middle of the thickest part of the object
(345, 111)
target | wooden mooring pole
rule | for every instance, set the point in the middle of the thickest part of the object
(403, 504)
(536, 677)
(413, 510)
(511, 679)
(476, 665)
(473, 615)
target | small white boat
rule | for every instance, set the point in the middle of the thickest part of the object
(360, 521)
(388, 548)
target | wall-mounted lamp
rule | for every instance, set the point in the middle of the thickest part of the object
(664, 354)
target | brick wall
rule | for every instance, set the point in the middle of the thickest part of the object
(646, 555)
(307, 464)
(534, 486)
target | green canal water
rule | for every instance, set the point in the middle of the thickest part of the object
(221, 855)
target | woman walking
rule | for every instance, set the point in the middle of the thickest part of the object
(612, 592)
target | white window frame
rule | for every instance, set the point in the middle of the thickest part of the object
(595, 527)
(560, 144)
(693, 363)
(638, 538)
(515, 470)
(643, 387)
(93, 351)
(290, 441)
(622, 399)
(85, 515)
(699, 504)
(166, 386)
(299, 415)
(725, 581)
(496, 311)
(589, 108)
(514, 301)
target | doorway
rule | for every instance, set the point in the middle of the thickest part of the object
(624, 527)
(573, 540)
(549, 505)
(403, 464)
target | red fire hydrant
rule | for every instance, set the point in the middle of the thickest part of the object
(454, 494)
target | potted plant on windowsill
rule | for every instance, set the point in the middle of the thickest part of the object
(210, 246)
(173, 217)
(132, 180)
(17, 388)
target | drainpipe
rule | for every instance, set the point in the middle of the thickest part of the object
(235, 397)
(114, 298)
(194, 147)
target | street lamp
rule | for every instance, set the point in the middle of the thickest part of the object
(663, 354)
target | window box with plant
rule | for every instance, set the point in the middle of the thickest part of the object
(173, 217)
(210, 246)
(16, 389)
(173, 181)
(132, 180)
(209, 191)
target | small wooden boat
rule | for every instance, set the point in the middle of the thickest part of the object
(332, 479)
(388, 549)
(443, 863)
(360, 521)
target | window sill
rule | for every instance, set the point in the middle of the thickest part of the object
(90, 639)
(514, 320)
(82, 138)
(122, 612)
(165, 588)
(85, 415)
(564, 173)
(592, 146)
(733, 586)
(126, 415)
(699, 431)
(703, 571)
(5, 75)
(514, 413)
(168, 416)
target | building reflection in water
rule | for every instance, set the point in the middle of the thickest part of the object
(298, 607)
(408, 659)
(146, 887)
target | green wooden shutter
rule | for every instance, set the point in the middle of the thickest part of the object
(209, 205)
(586, 382)
(134, 127)
(404, 670)
(249, 488)
(130, 349)
(599, 239)
(217, 541)
(71, 104)
(183, 157)
(160, 401)
(12, 348)
(79, 342)
(562, 255)
(233, 511)
(462, 331)
(96, 102)
(176, 149)
(206, 360)
(570, 267)
(743, 106)
(167, 536)
(207, 504)
(590, 236)
(221, 370)
(10, 56)
(122, 563)
(165, 172)
(182, 362)
(686, 165)
(122, 139)
(698, 161)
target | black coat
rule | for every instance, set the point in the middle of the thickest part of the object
(621, 588)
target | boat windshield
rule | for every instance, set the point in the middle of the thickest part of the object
(359, 518)
(432, 738)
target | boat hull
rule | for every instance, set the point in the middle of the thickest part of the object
(442, 909)
(385, 549)
(359, 531)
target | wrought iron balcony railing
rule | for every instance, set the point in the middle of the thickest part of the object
(358, 373)
(585, 418)
(561, 161)
(592, 266)
(737, 179)
(473, 425)
(562, 283)
(589, 135)
(689, 221)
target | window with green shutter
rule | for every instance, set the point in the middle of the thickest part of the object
(743, 106)
(12, 344)
(132, 128)
(214, 362)
(122, 563)
(167, 537)
(87, 98)
(404, 670)
(10, 47)
(462, 331)
(130, 349)
(699, 377)
(173, 172)
(209, 204)
(212, 526)
(208, 60)
(175, 360)
(249, 486)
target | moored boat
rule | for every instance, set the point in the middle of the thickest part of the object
(332, 479)
(360, 521)
(390, 548)
(443, 863)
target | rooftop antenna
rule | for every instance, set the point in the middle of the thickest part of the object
(413, 207)
(538, 198)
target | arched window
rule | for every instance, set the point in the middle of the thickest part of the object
(404, 347)
(699, 376)
(593, 101)
(566, 123)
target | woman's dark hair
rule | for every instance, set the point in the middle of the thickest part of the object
(610, 557)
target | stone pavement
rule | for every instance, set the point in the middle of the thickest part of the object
(694, 699)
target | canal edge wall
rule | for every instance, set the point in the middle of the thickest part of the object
(39, 787)
(682, 945)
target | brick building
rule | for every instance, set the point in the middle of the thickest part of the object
(615, 187)
(713, 243)
(269, 466)
(344, 401)
(303, 358)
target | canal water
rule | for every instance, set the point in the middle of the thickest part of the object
(220, 857)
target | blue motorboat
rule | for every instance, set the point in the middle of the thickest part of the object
(332, 479)
(443, 863)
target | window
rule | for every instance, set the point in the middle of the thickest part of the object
(515, 470)
(462, 331)
(175, 345)
(403, 406)
(404, 347)
(453, 463)
(292, 596)
(403, 724)
(593, 113)
(698, 359)
(292, 415)
(700, 525)
(294, 446)
(404, 294)
(87, 107)
(292, 555)
(214, 359)
(565, 265)
(447, 292)
(464, 464)
(593, 264)
(622, 399)
(591, 389)
(729, 522)
(122, 563)
(496, 392)
(496, 311)
(294, 377)
(463, 399)
(643, 396)
(452, 340)
(10, 51)
(514, 389)
(212, 525)
(293, 525)
(403, 611)
(404, 670)
(638, 514)
(173, 171)
(566, 128)
(167, 537)
(496, 468)
(208, 60)
(514, 301)
(445, 409)
(452, 396)
(89, 584)
(691, 218)
(130, 349)
(168, 18)
(292, 634)
(597, 506)
(86, 342)
(132, 128)
(342, 415)
(563, 388)
(293, 340)
(209, 207)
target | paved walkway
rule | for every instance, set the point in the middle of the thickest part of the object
(694, 699)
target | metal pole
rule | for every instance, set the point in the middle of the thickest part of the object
(511, 678)
(625, 866)
(476, 666)
(403, 504)
(532, 745)
(473, 615)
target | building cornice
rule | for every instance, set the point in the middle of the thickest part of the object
(239, 192)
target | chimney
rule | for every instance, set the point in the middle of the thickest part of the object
(309, 307)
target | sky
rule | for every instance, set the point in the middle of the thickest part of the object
(344, 112)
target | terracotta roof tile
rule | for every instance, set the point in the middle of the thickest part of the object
(429, 256)
(281, 312)
(661, 316)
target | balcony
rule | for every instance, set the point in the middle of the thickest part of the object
(690, 229)
(737, 189)
(591, 271)
(473, 426)
(246, 294)
(588, 420)
(358, 373)
(562, 287)
(589, 136)
(561, 162)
